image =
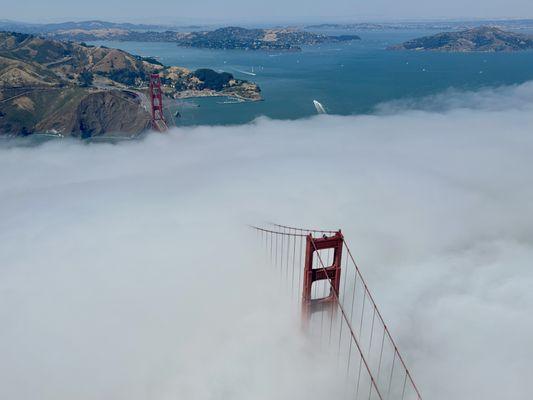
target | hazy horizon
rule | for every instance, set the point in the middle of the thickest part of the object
(274, 11)
(165, 20)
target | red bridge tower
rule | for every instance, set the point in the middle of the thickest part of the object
(156, 101)
(330, 273)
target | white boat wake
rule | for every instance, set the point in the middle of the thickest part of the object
(245, 72)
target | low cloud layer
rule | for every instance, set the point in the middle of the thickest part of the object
(127, 272)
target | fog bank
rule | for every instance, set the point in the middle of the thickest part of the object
(127, 271)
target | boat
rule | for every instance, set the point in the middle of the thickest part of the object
(319, 107)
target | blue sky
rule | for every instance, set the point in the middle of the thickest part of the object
(266, 10)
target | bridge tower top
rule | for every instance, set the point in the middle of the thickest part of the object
(331, 273)
(339, 312)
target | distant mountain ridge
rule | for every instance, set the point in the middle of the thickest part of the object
(451, 25)
(482, 39)
(38, 28)
(441, 25)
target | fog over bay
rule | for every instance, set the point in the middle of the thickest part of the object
(127, 270)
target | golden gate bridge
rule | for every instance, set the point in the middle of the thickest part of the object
(339, 310)
(334, 298)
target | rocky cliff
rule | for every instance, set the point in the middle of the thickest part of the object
(78, 112)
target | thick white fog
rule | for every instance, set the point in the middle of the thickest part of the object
(127, 270)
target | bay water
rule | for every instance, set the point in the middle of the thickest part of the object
(347, 78)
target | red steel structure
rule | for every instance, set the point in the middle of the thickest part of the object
(339, 311)
(331, 273)
(156, 102)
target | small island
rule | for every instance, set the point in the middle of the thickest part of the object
(71, 89)
(481, 39)
(258, 39)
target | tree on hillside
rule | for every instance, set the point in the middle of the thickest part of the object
(86, 79)
(212, 79)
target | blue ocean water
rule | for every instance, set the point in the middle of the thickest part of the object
(350, 78)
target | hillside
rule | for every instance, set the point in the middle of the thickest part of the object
(75, 89)
(481, 39)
